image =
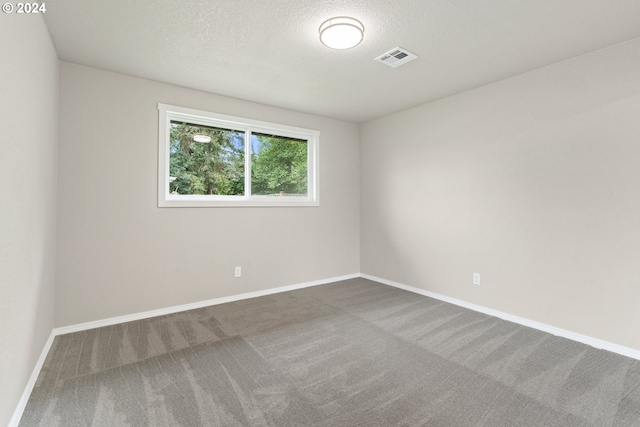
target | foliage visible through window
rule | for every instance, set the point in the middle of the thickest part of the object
(214, 167)
(278, 165)
(214, 160)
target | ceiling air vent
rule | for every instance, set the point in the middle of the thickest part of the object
(396, 57)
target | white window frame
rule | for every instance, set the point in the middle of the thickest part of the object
(166, 199)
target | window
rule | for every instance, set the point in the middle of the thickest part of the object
(208, 159)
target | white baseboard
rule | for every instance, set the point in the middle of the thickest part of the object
(22, 403)
(184, 307)
(593, 342)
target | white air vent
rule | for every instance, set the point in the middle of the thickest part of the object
(396, 57)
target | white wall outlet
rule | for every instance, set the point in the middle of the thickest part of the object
(476, 278)
(238, 271)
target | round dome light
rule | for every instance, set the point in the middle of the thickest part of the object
(341, 32)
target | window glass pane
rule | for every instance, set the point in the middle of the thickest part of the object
(278, 166)
(206, 160)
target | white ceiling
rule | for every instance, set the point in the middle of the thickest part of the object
(268, 51)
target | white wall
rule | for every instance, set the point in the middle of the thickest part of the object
(534, 182)
(28, 133)
(118, 253)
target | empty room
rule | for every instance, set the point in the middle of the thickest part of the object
(320, 213)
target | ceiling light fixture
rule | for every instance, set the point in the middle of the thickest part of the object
(201, 138)
(341, 32)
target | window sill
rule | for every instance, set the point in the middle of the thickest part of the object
(228, 202)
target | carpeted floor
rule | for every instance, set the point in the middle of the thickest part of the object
(353, 353)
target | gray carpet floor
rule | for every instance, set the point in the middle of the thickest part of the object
(352, 353)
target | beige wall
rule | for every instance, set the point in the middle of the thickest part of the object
(118, 253)
(28, 131)
(534, 182)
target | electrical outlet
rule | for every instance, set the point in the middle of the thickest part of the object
(476, 278)
(238, 271)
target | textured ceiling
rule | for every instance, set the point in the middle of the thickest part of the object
(268, 51)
